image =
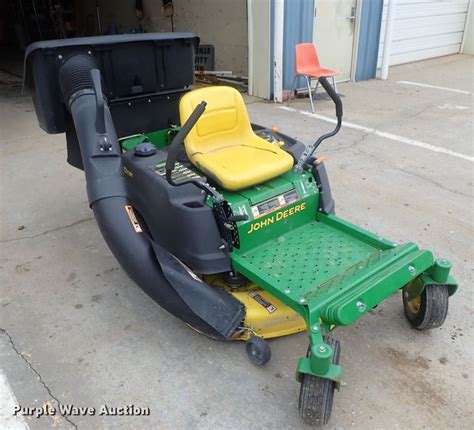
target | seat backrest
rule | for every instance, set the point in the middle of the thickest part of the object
(224, 123)
(305, 57)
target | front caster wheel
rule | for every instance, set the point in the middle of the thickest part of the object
(258, 350)
(317, 394)
(429, 309)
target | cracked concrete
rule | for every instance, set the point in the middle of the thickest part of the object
(80, 332)
(38, 375)
(409, 172)
(62, 227)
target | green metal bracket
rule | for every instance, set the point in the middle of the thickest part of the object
(440, 270)
(334, 372)
(437, 274)
(319, 362)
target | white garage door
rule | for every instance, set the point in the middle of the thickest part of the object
(424, 29)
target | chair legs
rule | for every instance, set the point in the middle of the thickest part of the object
(308, 83)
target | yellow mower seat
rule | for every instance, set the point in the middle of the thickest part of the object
(223, 145)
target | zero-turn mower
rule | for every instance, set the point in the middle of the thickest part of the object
(227, 225)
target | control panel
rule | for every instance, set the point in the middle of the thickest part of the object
(274, 203)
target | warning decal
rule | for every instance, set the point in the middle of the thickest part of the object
(133, 219)
(266, 304)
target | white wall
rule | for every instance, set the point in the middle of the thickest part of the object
(222, 23)
(120, 12)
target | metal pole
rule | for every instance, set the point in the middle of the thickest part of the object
(278, 51)
(387, 45)
(250, 43)
(466, 23)
(37, 19)
(99, 23)
(23, 19)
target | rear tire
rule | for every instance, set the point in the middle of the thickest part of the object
(317, 394)
(429, 309)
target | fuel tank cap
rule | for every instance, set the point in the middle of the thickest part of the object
(145, 149)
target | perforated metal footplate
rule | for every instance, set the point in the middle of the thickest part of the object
(299, 261)
(332, 273)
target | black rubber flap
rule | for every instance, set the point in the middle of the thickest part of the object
(213, 305)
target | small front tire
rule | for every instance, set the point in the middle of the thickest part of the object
(258, 350)
(429, 309)
(317, 394)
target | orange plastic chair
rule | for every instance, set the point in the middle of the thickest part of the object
(308, 66)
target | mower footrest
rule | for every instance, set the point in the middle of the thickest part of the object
(348, 296)
(330, 269)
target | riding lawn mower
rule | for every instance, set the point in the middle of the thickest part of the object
(228, 225)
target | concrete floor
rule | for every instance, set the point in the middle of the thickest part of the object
(76, 330)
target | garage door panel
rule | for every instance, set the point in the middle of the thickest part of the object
(424, 29)
(424, 2)
(408, 11)
(425, 55)
(453, 41)
(429, 26)
(429, 8)
(401, 46)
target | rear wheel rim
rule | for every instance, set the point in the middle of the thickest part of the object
(414, 305)
(256, 353)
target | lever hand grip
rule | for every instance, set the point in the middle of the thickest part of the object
(308, 152)
(175, 145)
(235, 218)
(334, 97)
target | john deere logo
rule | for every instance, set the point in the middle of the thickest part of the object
(277, 217)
